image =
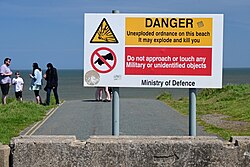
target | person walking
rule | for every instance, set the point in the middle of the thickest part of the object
(98, 94)
(36, 82)
(18, 86)
(107, 93)
(52, 83)
(5, 80)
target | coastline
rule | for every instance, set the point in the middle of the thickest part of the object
(71, 87)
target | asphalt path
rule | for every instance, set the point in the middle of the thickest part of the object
(84, 118)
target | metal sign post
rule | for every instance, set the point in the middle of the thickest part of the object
(115, 106)
(115, 112)
(192, 111)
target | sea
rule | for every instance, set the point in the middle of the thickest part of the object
(71, 86)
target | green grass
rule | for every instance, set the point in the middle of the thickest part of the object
(231, 100)
(16, 116)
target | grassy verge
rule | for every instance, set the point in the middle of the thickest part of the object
(16, 116)
(231, 100)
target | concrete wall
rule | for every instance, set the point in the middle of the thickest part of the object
(130, 151)
(4, 155)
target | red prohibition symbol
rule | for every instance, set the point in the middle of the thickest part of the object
(101, 64)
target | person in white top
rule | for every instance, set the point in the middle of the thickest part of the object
(18, 86)
(36, 82)
(5, 79)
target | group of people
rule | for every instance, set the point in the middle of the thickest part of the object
(99, 93)
(36, 82)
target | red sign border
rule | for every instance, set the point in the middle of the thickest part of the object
(92, 59)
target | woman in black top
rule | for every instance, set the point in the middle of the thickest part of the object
(52, 83)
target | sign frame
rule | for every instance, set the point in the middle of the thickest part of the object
(117, 77)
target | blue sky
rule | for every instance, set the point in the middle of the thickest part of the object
(52, 30)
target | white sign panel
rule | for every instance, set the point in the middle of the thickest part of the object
(153, 50)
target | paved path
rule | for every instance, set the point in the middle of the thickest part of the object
(84, 118)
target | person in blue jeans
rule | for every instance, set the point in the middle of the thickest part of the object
(52, 83)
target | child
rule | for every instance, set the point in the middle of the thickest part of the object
(18, 86)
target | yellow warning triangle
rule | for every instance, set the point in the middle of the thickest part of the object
(104, 34)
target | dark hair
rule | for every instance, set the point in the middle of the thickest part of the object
(17, 73)
(6, 59)
(50, 65)
(35, 66)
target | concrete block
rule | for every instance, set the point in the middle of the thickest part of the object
(129, 151)
(4, 155)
